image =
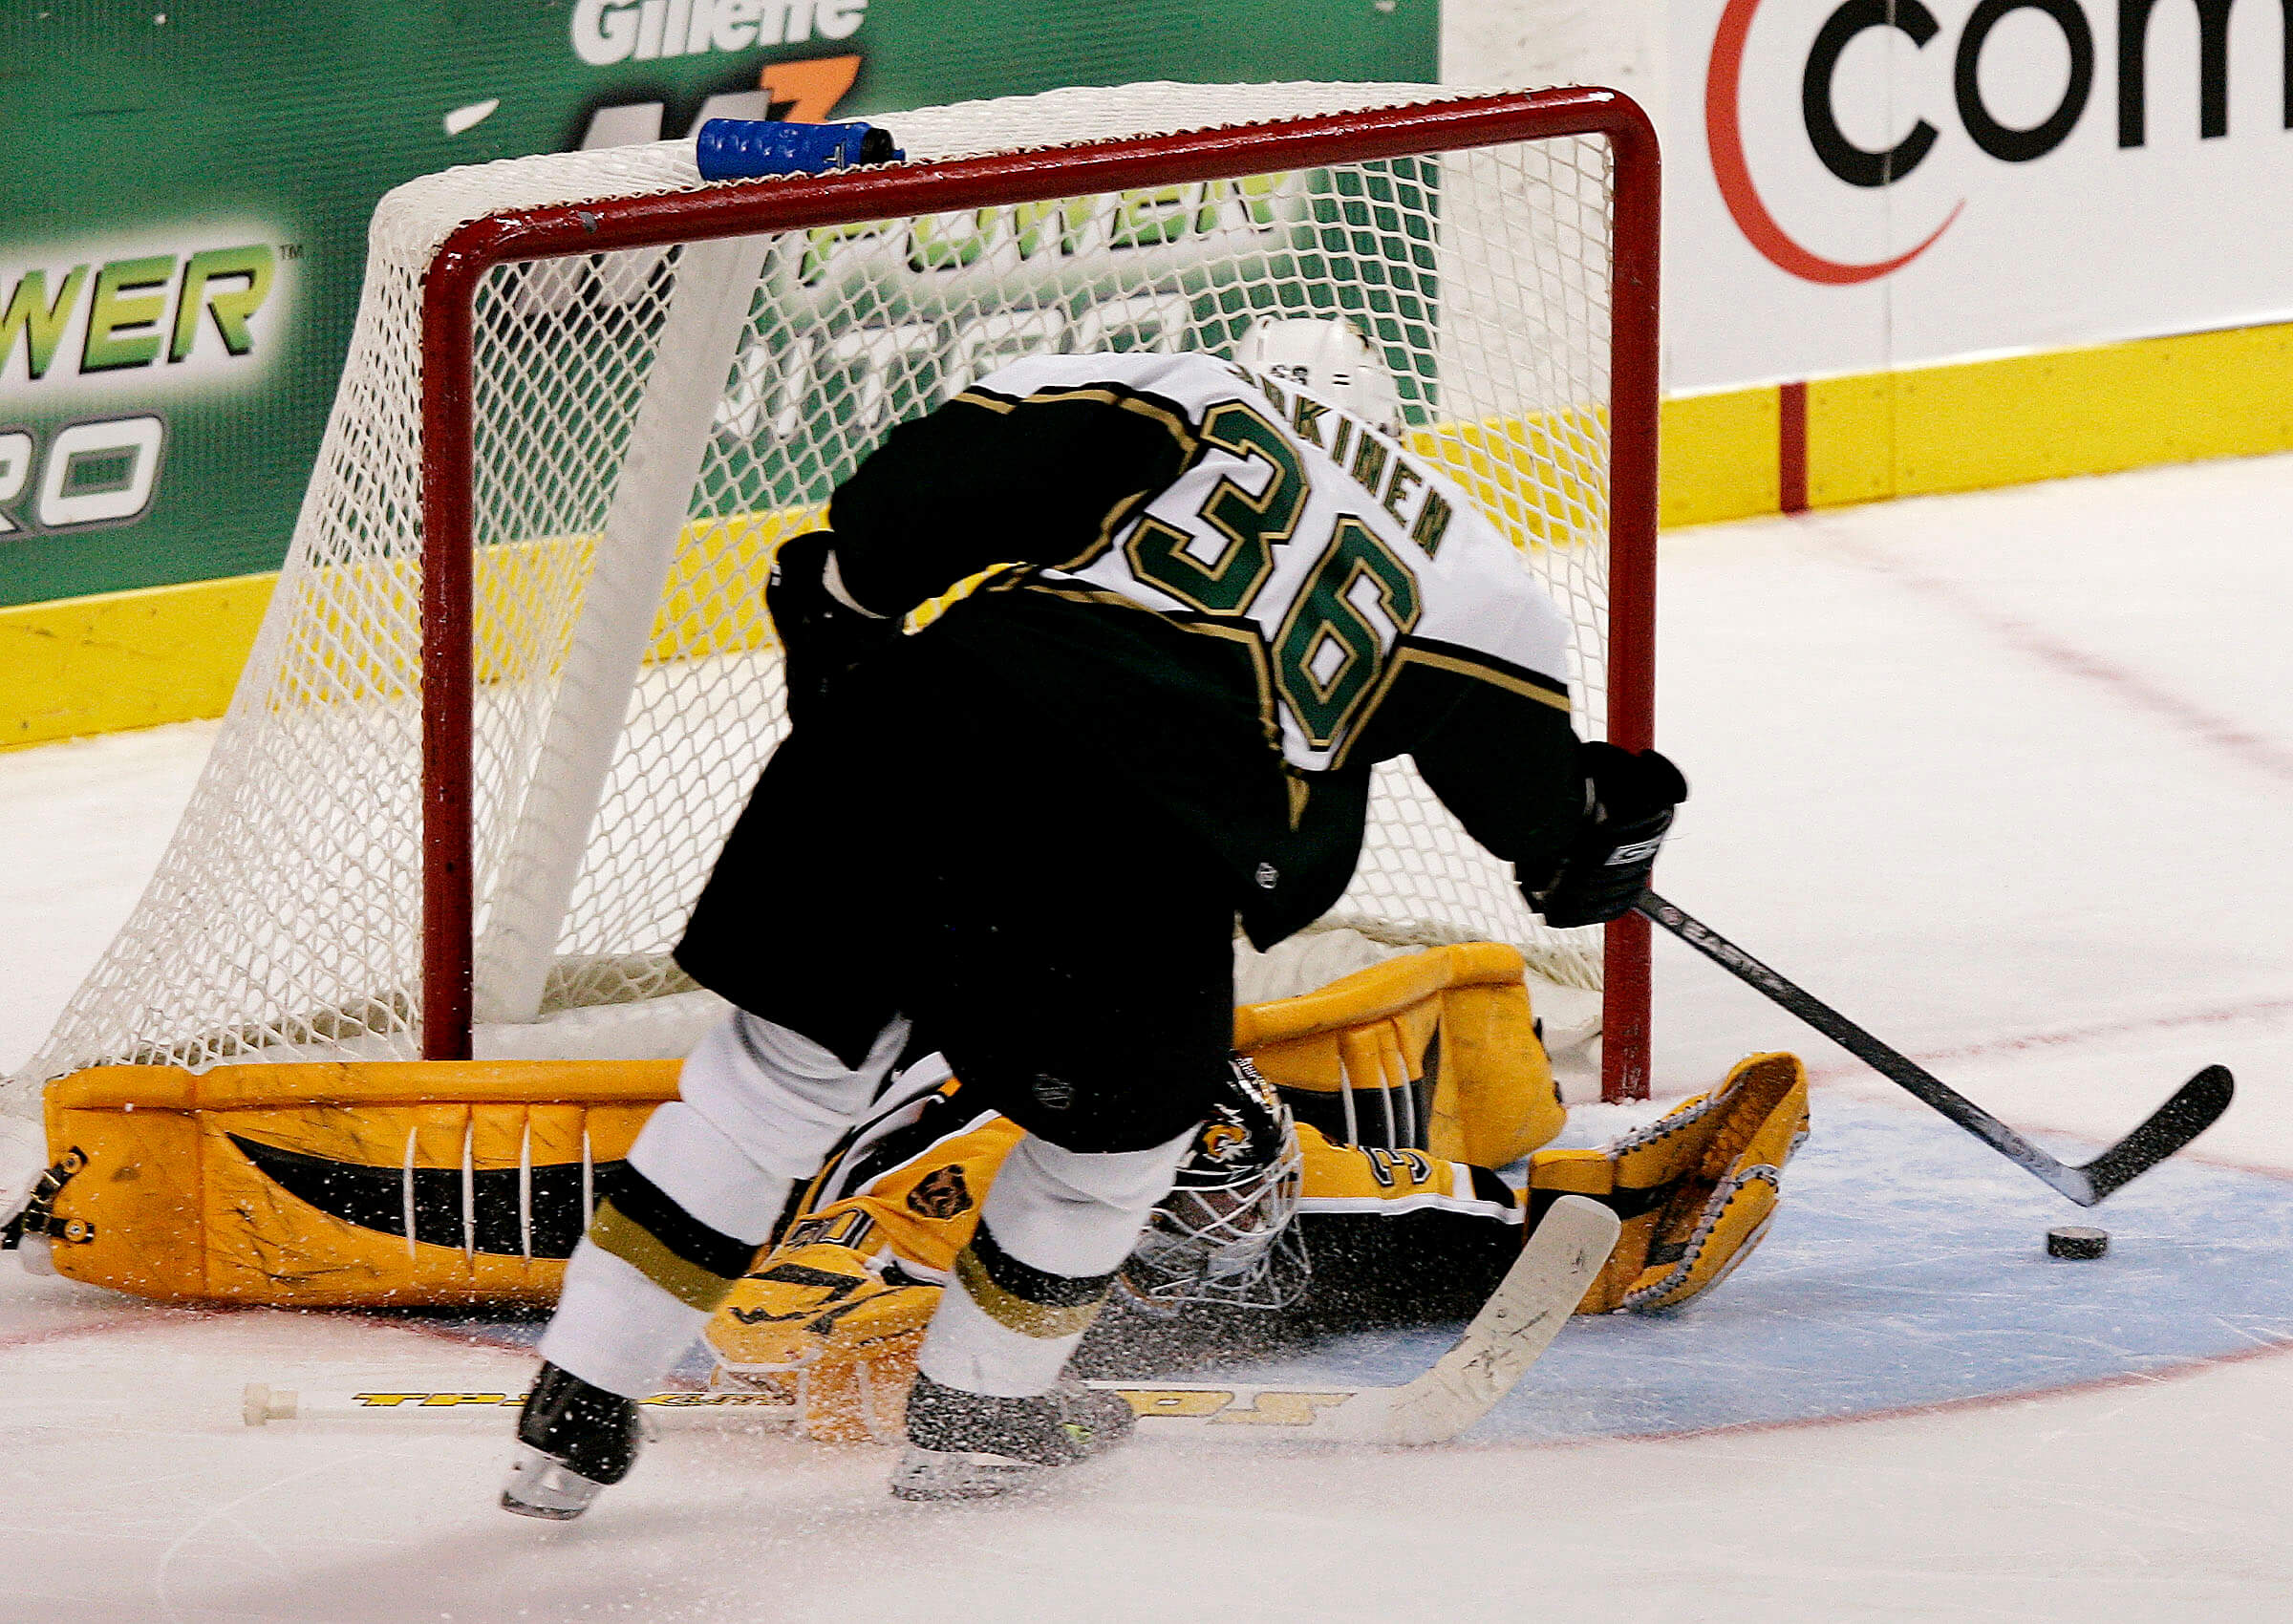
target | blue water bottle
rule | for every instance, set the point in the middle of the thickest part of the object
(747, 149)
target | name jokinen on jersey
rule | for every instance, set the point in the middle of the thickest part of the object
(1318, 600)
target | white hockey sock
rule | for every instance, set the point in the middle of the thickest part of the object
(632, 1305)
(1054, 1227)
(614, 1328)
(700, 1168)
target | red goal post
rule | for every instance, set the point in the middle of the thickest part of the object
(754, 209)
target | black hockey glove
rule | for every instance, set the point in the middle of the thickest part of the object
(822, 637)
(1628, 806)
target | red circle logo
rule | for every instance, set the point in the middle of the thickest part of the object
(1722, 125)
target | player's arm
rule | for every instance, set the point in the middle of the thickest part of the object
(984, 480)
(1581, 824)
(990, 479)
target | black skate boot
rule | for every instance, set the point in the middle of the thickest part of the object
(966, 1447)
(573, 1438)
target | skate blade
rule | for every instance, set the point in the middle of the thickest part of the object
(540, 1486)
(949, 1474)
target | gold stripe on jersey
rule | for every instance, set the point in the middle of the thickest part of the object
(1511, 679)
(1168, 415)
(1076, 595)
(1117, 517)
(932, 608)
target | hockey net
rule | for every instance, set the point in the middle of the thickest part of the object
(627, 388)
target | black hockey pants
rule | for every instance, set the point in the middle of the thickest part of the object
(926, 846)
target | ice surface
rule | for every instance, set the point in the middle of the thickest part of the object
(2008, 777)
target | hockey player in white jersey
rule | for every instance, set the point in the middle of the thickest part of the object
(1092, 659)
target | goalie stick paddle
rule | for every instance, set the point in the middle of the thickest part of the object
(1513, 1329)
(2192, 1109)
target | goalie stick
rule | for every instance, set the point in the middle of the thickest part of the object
(2189, 1113)
(1516, 1325)
(1555, 1268)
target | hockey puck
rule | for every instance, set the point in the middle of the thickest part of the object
(2071, 1240)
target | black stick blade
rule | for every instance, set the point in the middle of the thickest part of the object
(2196, 1106)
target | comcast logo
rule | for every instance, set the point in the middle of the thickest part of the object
(2007, 143)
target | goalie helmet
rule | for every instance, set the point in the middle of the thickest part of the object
(1328, 358)
(1224, 1235)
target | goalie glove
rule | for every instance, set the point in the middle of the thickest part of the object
(1629, 798)
(823, 631)
(1696, 1188)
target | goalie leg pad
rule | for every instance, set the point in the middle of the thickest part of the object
(1696, 1190)
(816, 1325)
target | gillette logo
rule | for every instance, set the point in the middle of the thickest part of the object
(607, 32)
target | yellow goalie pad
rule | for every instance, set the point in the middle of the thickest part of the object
(817, 1327)
(1450, 1029)
(434, 1183)
(462, 1182)
(1696, 1188)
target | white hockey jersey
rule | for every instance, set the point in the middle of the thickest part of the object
(1239, 597)
(1343, 556)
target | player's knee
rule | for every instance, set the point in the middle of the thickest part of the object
(781, 1098)
(1076, 1213)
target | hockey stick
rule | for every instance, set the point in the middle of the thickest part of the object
(1513, 1329)
(2192, 1109)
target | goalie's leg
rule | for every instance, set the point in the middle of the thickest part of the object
(988, 1410)
(758, 1107)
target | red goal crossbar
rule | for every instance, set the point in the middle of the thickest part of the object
(763, 208)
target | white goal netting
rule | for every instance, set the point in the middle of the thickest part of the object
(652, 424)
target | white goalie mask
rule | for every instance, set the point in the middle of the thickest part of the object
(1224, 1233)
(1328, 358)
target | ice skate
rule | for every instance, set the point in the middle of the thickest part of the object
(574, 1439)
(965, 1446)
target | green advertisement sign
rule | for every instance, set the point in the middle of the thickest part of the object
(186, 187)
